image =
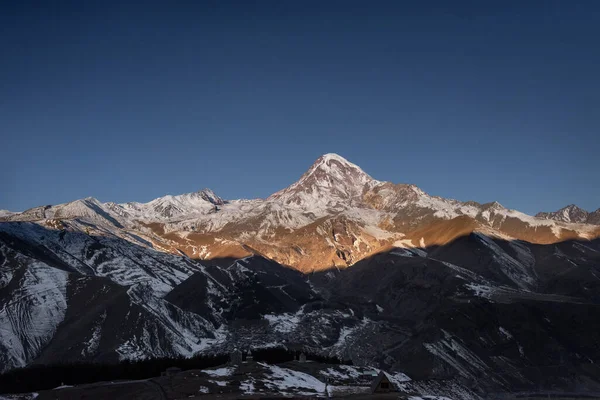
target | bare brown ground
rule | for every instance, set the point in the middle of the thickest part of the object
(337, 242)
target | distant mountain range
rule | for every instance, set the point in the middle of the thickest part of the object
(334, 216)
(572, 213)
(340, 263)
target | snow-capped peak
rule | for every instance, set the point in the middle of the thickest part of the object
(89, 208)
(331, 180)
(210, 196)
(5, 212)
(170, 206)
(335, 157)
(570, 213)
(493, 206)
(331, 162)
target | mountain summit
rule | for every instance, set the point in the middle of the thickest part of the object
(331, 180)
(573, 214)
(334, 215)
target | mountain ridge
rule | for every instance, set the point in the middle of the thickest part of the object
(431, 311)
(446, 289)
(334, 215)
(319, 165)
(572, 213)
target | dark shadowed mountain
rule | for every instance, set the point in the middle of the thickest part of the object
(474, 307)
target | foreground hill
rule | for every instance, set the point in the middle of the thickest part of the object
(254, 380)
(477, 306)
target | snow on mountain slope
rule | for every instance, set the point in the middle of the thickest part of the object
(101, 253)
(29, 317)
(54, 292)
(331, 181)
(572, 213)
(168, 207)
(126, 300)
(89, 208)
(434, 287)
(334, 215)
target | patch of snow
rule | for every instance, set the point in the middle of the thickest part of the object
(377, 232)
(247, 386)
(283, 379)
(227, 371)
(523, 276)
(398, 378)
(203, 389)
(523, 253)
(284, 323)
(402, 252)
(505, 333)
(465, 272)
(457, 355)
(30, 318)
(484, 291)
(405, 248)
(342, 372)
(347, 332)
(343, 391)
(91, 345)
(582, 248)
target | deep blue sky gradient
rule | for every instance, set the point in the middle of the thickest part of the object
(128, 101)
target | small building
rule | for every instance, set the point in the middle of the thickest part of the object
(249, 356)
(235, 357)
(366, 378)
(302, 358)
(171, 371)
(382, 384)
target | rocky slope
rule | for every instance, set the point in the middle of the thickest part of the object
(572, 213)
(333, 216)
(437, 288)
(478, 306)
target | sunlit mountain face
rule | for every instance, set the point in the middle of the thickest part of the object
(475, 294)
(333, 216)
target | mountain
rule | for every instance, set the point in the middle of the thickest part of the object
(594, 217)
(572, 213)
(338, 263)
(168, 207)
(333, 216)
(476, 307)
(332, 181)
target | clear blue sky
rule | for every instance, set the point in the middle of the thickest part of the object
(125, 101)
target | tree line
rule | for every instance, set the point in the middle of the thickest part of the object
(275, 355)
(43, 377)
